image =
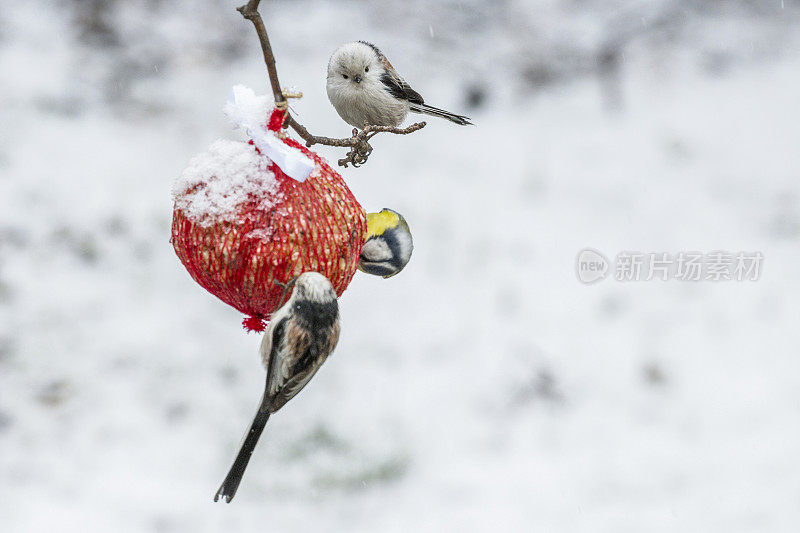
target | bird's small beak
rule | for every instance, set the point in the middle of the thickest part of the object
(357, 79)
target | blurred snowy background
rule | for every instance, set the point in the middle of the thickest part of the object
(484, 387)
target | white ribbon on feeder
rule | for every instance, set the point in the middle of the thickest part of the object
(251, 112)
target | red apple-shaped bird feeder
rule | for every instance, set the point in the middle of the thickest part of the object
(243, 227)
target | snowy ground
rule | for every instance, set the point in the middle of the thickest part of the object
(484, 387)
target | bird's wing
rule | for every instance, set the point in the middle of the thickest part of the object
(281, 360)
(297, 371)
(268, 343)
(397, 86)
(293, 386)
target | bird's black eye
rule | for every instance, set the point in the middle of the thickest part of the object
(344, 76)
(366, 69)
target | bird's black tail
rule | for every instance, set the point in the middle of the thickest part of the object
(436, 112)
(228, 488)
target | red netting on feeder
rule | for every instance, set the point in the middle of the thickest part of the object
(242, 227)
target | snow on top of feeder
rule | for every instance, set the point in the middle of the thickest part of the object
(217, 182)
(246, 110)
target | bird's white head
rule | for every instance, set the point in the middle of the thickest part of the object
(355, 66)
(313, 286)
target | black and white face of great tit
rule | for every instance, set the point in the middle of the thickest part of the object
(389, 244)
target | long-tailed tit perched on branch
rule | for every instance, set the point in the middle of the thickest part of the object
(366, 90)
(358, 143)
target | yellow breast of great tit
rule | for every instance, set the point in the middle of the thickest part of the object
(378, 223)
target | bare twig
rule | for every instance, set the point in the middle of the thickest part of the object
(360, 148)
(250, 12)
